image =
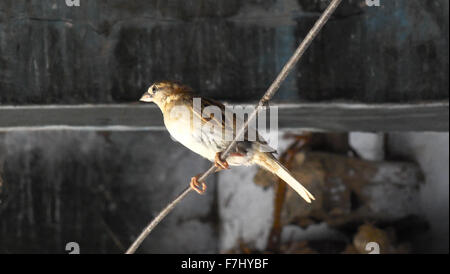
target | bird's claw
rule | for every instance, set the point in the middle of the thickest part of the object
(200, 188)
(219, 163)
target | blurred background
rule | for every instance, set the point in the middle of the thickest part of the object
(363, 123)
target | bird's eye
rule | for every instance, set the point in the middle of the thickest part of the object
(154, 89)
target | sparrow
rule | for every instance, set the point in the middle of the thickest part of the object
(205, 134)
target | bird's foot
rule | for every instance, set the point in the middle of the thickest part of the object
(219, 163)
(195, 185)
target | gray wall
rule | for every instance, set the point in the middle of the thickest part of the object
(110, 51)
(99, 189)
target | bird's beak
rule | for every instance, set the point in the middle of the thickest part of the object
(147, 97)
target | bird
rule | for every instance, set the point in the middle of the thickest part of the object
(202, 128)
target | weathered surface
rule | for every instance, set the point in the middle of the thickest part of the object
(100, 190)
(61, 186)
(385, 240)
(395, 52)
(310, 116)
(245, 209)
(322, 241)
(430, 150)
(368, 146)
(349, 189)
(109, 51)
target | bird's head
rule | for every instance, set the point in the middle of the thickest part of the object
(161, 92)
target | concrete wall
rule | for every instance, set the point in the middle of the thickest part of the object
(430, 201)
(430, 150)
(110, 51)
(100, 189)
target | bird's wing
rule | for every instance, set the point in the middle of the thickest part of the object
(213, 125)
(220, 129)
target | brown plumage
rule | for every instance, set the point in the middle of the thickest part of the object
(202, 125)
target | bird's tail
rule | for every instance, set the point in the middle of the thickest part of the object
(268, 162)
